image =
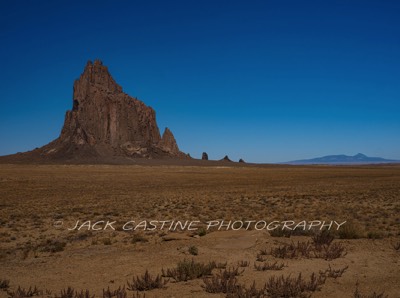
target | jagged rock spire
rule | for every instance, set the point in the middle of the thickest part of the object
(104, 121)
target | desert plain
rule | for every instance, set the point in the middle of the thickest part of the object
(40, 204)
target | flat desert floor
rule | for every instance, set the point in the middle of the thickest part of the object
(41, 204)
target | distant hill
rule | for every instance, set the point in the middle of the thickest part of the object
(343, 159)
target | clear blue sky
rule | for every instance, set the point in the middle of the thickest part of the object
(266, 81)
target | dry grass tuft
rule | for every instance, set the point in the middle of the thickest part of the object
(293, 286)
(118, 293)
(333, 273)
(328, 251)
(22, 292)
(4, 284)
(220, 284)
(187, 270)
(146, 282)
(269, 266)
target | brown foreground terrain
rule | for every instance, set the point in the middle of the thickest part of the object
(38, 203)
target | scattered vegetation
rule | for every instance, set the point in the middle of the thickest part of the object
(251, 292)
(269, 266)
(260, 258)
(333, 192)
(349, 231)
(292, 250)
(146, 282)
(118, 293)
(202, 232)
(4, 284)
(231, 272)
(193, 250)
(68, 293)
(244, 263)
(220, 284)
(275, 287)
(323, 238)
(333, 273)
(187, 270)
(22, 292)
(331, 252)
(71, 293)
(52, 245)
(328, 251)
(293, 286)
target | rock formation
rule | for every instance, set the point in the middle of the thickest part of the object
(168, 142)
(204, 156)
(226, 158)
(106, 122)
(241, 160)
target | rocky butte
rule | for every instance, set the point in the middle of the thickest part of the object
(107, 123)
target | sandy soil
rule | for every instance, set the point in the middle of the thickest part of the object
(40, 202)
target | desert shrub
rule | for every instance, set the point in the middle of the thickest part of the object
(330, 252)
(193, 250)
(187, 270)
(333, 273)
(252, 292)
(244, 263)
(83, 294)
(260, 258)
(202, 232)
(146, 282)
(293, 286)
(322, 238)
(231, 272)
(283, 252)
(269, 266)
(350, 231)
(220, 284)
(118, 293)
(52, 246)
(292, 250)
(4, 284)
(67, 293)
(326, 251)
(304, 249)
(22, 292)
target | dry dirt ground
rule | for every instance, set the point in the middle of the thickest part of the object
(38, 203)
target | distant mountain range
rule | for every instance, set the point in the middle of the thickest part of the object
(343, 159)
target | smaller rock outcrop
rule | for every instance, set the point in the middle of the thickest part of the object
(226, 158)
(241, 160)
(204, 156)
(168, 142)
